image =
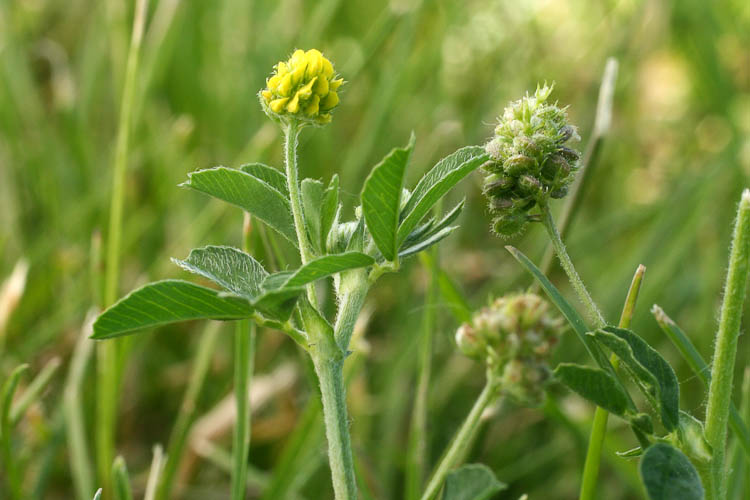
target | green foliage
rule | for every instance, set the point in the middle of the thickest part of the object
(668, 474)
(435, 184)
(270, 175)
(121, 479)
(596, 385)
(381, 199)
(228, 267)
(249, 193)
(165, 302)
(649, 369)
(472, 482)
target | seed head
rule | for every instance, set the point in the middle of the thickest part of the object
(514, 337)
(529, 160)
(303, 88)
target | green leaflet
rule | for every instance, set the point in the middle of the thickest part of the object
(249, 193)
(271, 176)
(595, 385)
(651, 371)
(668, 474)
(434, 184)
(164, 302)
(381, 199)
(121, 479)
(231, 268)
(325, 266)
(427, 242)
(472, 482)
(312, 200)
(328, 210)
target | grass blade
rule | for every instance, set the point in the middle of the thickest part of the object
(701, 370)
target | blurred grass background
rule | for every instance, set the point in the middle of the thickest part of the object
(663, 194)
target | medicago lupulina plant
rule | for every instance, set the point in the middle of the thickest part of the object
(391, 224)
(681, 457)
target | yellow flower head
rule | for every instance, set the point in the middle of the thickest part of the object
(303, 88)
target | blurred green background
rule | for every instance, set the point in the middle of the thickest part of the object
(663, 194)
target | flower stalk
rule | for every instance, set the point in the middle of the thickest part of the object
(463, 437)
(592, 310)
(725, 351)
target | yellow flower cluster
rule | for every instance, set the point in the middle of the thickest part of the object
(304, 88)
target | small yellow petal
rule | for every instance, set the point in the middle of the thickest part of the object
(321, 86)
(298, 74)
(297, 58)
(285, 85)
(314, 63)
(273, 82)
(329, 101)
(267, 94)
(282, 68)
(306, 91)
(277, 105)
(293, 106)
(335, 84)
(327, 68)
(312, 107)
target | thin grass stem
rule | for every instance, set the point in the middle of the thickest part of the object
(107, 352)
(599, 427)
(417, 453)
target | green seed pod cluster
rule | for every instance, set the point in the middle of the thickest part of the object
(529, 160)
(514, 337)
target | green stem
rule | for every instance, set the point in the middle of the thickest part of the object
(331, 377)
(244, 340)
(725, 350)
(291, 134)
(575, 280)
(599, 427)
(80, 461)
(462, 439)
(107, 352)
(178, 437)
(351, 295)
(417, 453)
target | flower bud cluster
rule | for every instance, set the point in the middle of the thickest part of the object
(529, 160)
(514, 337)
(303, 88)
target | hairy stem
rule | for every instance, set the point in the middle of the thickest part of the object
(575, 280)
(462, 439)
(725, 350)
(244, 340)
(331, 377)
(108, 361)
(291, 133)
(599, 427)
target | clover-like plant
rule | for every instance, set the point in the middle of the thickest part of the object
(388, 226)
(530, 165)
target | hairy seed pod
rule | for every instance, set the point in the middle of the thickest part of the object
(518, 165)
(530, 144)
(514, 336)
